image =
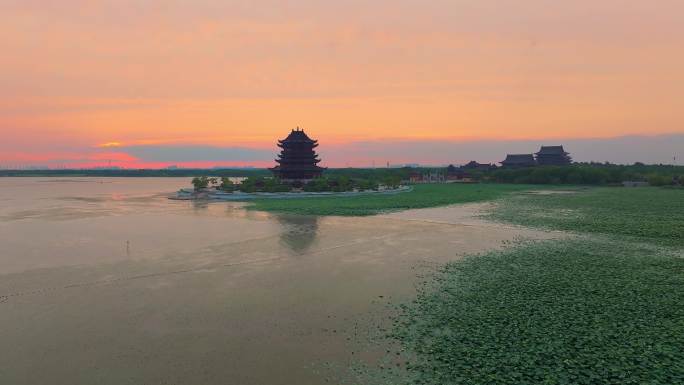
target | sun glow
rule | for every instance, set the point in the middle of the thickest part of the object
(109, 145)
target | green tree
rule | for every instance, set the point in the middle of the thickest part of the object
(248, 185)
(318, 185)
(270, 185)
(226, 184)
(391, 181)
(200, 182)
(367, 184)
(659, 180)
(342, 183)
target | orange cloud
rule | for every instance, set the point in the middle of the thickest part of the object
(238, 74)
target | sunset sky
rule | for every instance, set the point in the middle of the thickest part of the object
(150, 83)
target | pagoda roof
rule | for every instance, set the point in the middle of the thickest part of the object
(297, 135)
(310, 160)
(298, 167)
(552, 150)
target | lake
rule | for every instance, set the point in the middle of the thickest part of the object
(106, 281)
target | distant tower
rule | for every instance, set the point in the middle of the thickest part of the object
(297, 160)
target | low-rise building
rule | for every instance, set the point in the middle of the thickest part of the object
(473, 165)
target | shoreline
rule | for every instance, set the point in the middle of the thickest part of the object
(188, 194)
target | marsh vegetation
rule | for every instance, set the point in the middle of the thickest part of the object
(424, 195)
(602, 307)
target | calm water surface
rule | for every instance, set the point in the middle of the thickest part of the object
(106, 281)
(49, 222)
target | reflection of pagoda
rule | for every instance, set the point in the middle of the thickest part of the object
(297, 160)
(299, 232)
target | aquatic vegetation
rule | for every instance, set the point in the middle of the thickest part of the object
(604, 307)
(425, 195)
(654, 214)
(581, 311)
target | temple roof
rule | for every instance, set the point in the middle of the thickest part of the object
(288, 160)
(552, 150)
(519, 159)
(474, 164)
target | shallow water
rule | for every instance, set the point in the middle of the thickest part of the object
(105, 280)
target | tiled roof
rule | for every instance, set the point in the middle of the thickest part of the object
(551, 150)
(519, 159)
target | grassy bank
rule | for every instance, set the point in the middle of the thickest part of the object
(427, 195)
(602, 308)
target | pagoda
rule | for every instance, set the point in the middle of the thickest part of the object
(297, 161)
(553, 156)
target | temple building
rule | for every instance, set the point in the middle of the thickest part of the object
(458, 174)
(553, 156)
(297, 161)
(519, 161)
(473, 165)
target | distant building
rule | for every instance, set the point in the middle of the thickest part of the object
(427, 177)
(553, 156)
(415, 177)
(458, 174)
(473, 165)
(297, 161)
(433, 177)
(519, 161)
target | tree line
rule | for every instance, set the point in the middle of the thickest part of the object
(332, 183)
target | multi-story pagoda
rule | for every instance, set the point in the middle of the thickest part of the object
(553, 156)
(519, 161)
(297, 160)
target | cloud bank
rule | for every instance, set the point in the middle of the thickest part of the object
(665, 149)
(183, 154)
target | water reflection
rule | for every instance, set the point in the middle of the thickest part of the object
(200, 205)
(299, 231)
